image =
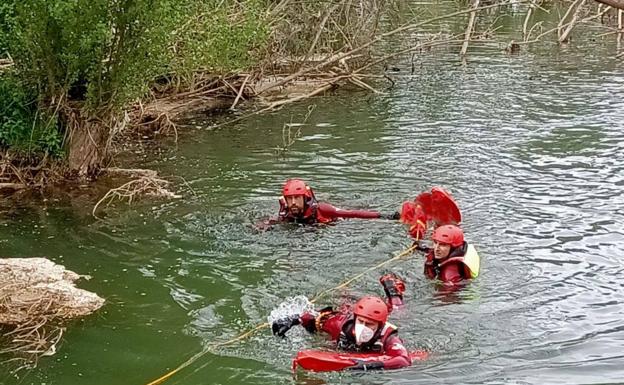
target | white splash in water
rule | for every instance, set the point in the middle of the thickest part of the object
(291, 306)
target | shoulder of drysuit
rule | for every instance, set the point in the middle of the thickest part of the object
(466, 259)
(328, 320)
(391, 336)
(458, 255)
(389, 329)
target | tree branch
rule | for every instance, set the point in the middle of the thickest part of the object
(618, 4)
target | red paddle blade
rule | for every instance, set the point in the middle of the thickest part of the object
(444, 209)
(424, 200)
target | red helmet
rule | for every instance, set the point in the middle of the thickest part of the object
(296, 187)
(449, 234)
(373, 308)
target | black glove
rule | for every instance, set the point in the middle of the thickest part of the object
(282, 325)
(364, 365)
(394, 216)
(421, 246)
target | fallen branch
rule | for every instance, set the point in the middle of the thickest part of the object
(132, 172)
(240, 92)
(589, 18)
(281, 103)
(564, 36)
(360, 83)
(473, 15)
(404, 28)
(12, 186)
(617, 4)
(146, 185)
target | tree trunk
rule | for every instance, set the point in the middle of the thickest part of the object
(88, 142)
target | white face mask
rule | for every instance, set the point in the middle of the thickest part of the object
(363, 333)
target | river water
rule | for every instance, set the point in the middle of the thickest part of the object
(530, 145)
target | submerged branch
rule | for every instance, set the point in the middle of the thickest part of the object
(145, 185)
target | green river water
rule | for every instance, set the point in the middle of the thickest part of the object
(530, 145)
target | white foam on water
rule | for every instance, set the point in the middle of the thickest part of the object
(291, 306)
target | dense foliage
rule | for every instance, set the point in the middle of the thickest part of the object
(101, 55)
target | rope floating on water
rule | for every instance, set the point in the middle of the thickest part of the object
(212, 347)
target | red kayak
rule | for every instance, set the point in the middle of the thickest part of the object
(327, 361)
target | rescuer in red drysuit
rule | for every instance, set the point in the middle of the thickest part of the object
(363, 328)
(299, 205)
(451, 259)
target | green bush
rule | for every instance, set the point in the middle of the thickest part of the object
(101, 55)
(6, 22)
(220, 36)
(108, 52)
(101, 52)
(22, 128)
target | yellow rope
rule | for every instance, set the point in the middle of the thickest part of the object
(348, 281)
(264, 325)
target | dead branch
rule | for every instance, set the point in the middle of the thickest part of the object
(12, 186)
(132, 172)
(349, 53)
(240, 92)
(473, 15)
(280, 103)
(145, 185)
(620, 28)
(288, 138)
(585, 20)
(565, 16)
(564, 36)
(427, 44)
(526, 19)
(319, 32)
(536, 25)
(617, 4)
(360, 83)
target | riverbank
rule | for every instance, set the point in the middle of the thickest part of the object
(66, 132)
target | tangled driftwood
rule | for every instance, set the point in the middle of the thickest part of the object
(36, 297)
(146, 183)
